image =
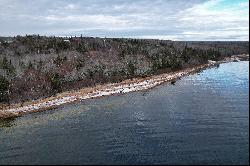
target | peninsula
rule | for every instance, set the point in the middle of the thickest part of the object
(39, 73)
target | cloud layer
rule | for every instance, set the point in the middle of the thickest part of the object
(161, 19)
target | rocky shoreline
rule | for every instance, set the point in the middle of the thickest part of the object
(126, 86)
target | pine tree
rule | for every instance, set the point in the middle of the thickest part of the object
(4, 87)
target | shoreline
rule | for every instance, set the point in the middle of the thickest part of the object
(136, 84)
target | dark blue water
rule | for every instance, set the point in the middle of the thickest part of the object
(203, 119)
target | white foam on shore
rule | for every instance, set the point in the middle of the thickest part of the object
(113, 89)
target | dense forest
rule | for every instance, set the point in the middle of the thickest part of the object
(34, 66)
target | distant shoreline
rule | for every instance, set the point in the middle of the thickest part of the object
(125, 86)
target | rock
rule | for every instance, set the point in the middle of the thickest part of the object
(173, 82)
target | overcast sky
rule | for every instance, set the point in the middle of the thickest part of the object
(161, 19)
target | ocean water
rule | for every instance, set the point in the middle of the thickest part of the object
(202, 119)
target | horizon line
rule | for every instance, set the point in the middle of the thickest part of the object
(127, 37)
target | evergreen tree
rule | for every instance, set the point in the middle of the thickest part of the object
(56, 83)
(4, 87)
(131, 69)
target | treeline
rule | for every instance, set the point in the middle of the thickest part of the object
(34, 66)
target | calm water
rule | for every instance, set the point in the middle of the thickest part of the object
(203, 119)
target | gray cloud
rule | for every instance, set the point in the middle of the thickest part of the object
(164, 19)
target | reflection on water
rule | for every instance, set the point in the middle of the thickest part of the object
(202, 119)
(7, 122)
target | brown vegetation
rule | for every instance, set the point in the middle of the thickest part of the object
(33, 67)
